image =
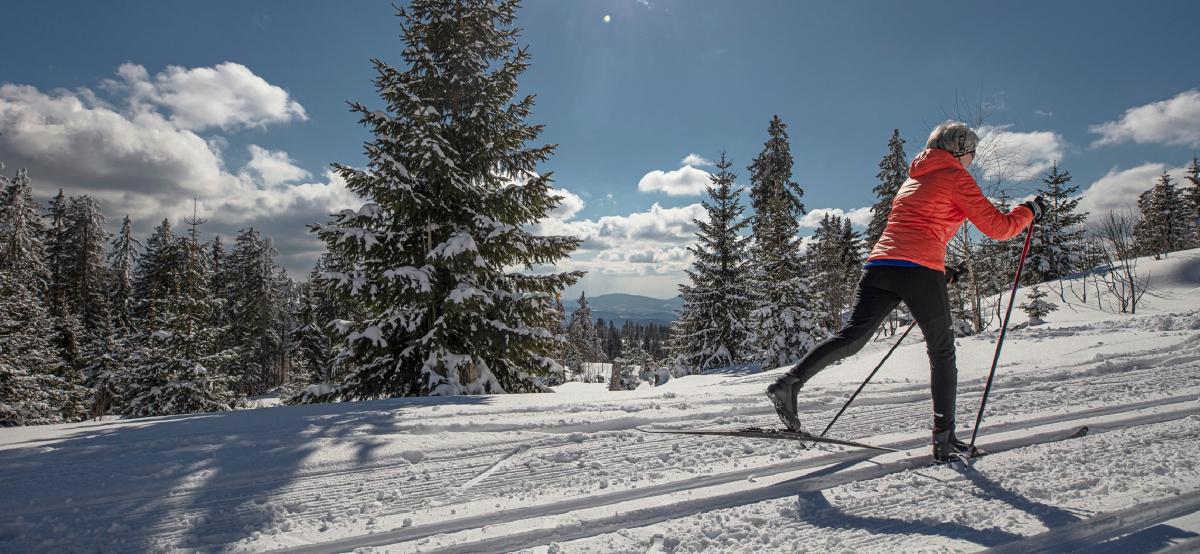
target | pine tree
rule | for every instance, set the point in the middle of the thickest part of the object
(893, 172)
(122, 260)
(86, 279)
(255, 312)
(33, 389)
(834, 262)
(177, 365)
(586, 346)
(1192, 174)
(714, 330)
(35, 384)
(1166, 224)
(56, 246)
(431, 255)
(312, 345)
(785, 328)
(157, 270)
(22, 231)
(1036, 307)
(1057, 244)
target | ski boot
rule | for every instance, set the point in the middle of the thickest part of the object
(783, 396)
(947, 447)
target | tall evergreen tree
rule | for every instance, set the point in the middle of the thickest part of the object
(255, 312)
(122, 263)
(586, 344)
(34, 383)
(157, 277)
(714, 329)
(1057, 246)
(1192, 175)
(178, 364)
(57, 247)
(86, 279)
(431, 253)
(893, 172)
(312, 345)
(22, 231)
(834, 262)
(1166, 224)
(785, 327)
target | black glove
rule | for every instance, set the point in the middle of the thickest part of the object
(955, 273)
(1037, 206)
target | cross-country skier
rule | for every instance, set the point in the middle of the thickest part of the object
(908, 264)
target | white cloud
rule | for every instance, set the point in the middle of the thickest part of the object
(1173, 122)
(569, 204)
(1013, 155)
(658, 224)
(685, 181)
(273, 167)
(858, 216)
(136, 159)
(652, 242)
(1119, 189)
(695, 160)
(225, 96)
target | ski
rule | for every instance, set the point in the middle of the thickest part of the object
(967, 460)
(760, 433)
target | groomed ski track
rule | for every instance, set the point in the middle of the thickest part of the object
(225, 509)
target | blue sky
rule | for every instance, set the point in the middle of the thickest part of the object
(242, 104)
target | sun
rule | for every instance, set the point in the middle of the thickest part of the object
(608, 19)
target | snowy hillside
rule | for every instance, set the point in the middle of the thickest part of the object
(570, 472)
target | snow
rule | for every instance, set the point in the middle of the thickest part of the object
(568, 471)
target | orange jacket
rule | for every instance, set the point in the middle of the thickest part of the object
(931, 206)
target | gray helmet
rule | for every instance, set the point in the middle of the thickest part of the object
(954, 137)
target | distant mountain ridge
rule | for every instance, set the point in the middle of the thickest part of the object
(621, 307)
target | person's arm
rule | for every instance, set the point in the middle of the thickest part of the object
(994, 223)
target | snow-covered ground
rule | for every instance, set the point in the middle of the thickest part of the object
(570, 472)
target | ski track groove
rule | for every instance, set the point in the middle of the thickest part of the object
(324, 491)
(569, 505)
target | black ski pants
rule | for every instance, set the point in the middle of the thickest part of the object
(923, 290)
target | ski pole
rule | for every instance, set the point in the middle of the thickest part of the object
(1003, 330)
(869, 377)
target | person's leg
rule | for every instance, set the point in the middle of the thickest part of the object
(873, 302)
(926, 297)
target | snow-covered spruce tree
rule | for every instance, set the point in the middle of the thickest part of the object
(255, 312)
(22, 231)
(1037, 307)
(834, 261)
(56, 247)
(1166, 224)
(586, 346)
(177, 364)
(1192, 194)
(717, 303)
(33, 387)
(122, 264)
(312, 348)
(893, 172)
(1057, 244)
(85, 274)
(218, 285)
(440, 254)
(784, 325)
